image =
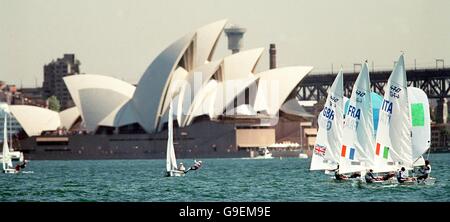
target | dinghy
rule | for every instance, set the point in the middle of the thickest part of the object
(404, 127)
(15, 155)
(6, 155)
(263, 153)
(171, 161)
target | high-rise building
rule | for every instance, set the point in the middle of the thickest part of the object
(53, 78)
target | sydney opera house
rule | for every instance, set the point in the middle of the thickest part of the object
(222, 107)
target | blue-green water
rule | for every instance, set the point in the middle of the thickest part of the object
(285, 179)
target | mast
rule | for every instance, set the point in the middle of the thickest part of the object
(10, 132)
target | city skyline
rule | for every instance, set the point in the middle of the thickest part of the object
(120, 38)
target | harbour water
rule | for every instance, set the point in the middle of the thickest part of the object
(273, 180)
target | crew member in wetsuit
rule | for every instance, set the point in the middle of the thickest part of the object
(339, 176)
(20, 166)
(425, 170)
(370, 177)
(401, 176)
(196, 165)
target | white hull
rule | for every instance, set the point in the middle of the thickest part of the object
(175, 173)
(302, 156)
(428, 181)
(263, 157)
(263, 153)
(393, 181)
(345, 180)
(10, 171)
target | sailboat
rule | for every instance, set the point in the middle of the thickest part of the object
(393, 141)
(6, 155)
(358, 132)
(402, 136)
(326, 154)
(171, 161)
(15, 155)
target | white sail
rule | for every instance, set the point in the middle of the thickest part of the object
(419, 162)
(420, 121)
(329, 136)
(6, 157)
(358, 133)
(171, 161)
(393, 139)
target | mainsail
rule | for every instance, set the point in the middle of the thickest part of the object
(376, 105)
(326, 149)
(420, 121)
(393, 139)
(171, 161)
(6, 157)
(358, 132)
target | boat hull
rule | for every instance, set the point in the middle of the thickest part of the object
(175, 173)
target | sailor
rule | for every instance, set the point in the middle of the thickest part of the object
(425, 170)
(181, 167)
(369, 177)
(401, 176)
(197, 164)
(339, 176)
(24, 164)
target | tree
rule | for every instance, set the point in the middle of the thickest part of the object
(53, 103)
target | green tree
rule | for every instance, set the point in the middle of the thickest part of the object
(53, 103)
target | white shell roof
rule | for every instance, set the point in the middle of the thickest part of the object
(275, 85)
(34, 119)
(96, 96)
(69, 116)
(156, 79)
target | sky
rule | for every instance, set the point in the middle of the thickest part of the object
(120, 38)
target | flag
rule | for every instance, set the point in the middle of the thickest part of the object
(344, 149)
(385, 151)
(319, 150)
(351, 152)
